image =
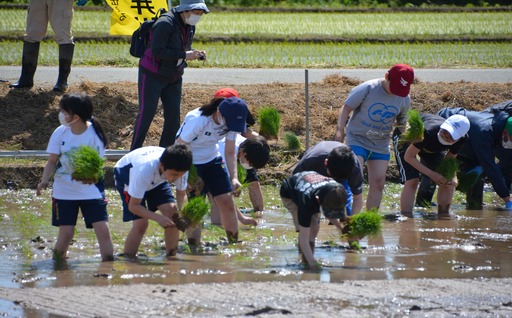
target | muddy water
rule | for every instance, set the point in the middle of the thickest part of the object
(469, 244)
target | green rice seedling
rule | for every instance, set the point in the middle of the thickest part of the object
(363, 224)
(415, 127)
(360, 225)
(270, 120)
(194, 211)
(448, 168)
(291, 55)
(87, 165)
(242, 175)
(292, 141)
(307, 24)
(192, 175)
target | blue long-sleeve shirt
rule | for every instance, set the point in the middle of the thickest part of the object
(484, 144)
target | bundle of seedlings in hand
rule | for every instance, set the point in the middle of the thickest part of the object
(195, 183)
(270, 120)
(360, 225)
(448, 168)
(87, 165)
(292, 141)
(242, 175)
(415, 127)
(192, 213)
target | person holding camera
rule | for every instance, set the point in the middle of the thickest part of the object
(161, 69)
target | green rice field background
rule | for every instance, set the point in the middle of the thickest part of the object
(316, 40)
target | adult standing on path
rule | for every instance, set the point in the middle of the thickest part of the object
(161, 69)
(60, 14)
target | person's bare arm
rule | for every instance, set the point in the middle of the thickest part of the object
(231, 162)
(305, 248)
(343, 115)
(48, 171)
(138, 209)
(411, 158)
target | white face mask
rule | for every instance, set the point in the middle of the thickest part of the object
(221, 120)
(442, 141)
(193, 19)
(245, 165)
(506, 144)
(62, 119)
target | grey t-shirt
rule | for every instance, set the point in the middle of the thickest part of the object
(374, 113)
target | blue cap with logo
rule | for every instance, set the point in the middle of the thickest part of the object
(234, 110)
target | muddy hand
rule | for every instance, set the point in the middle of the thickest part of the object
(165, 222)
(248, 220)
(40, 187)
(237, 187)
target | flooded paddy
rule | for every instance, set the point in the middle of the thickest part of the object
(469, 244)
(385, 278)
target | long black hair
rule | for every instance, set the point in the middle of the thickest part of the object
(210, 108)
(81, 105)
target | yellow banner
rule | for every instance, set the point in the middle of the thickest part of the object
(127, 15)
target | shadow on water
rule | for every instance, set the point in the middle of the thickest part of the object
(467, 245)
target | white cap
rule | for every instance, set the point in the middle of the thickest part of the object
(456, 125)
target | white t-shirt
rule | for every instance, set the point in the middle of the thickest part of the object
(144, 173)
(238, 141)
(61, 143)
(202, 135)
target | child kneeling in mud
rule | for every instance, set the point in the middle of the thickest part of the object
(305, 195)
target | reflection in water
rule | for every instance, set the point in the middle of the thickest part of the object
(467, 245)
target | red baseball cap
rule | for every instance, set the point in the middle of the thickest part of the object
(400, 78)
(226, 92)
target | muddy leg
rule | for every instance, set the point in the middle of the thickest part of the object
(232, 237)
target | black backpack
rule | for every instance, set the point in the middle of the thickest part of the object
(140, 37)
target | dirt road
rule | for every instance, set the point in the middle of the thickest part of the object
(397, 298)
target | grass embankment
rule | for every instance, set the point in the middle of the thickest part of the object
(303, 39)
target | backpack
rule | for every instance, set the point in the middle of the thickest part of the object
(140, 37)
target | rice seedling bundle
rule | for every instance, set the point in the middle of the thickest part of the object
(87, 165)
(270, 120)
(292, 141)
(242, 174)
(448, 168)
(415, 128)
(363, 224)
(195, 210)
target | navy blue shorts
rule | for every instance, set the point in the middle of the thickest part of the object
(152, 199)
(65, 212)
(215, 176)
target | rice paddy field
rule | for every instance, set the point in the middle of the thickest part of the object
(252, 39)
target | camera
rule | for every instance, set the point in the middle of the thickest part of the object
(201, 57)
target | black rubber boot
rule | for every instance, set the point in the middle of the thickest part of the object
(29, 59)
(475, 196)
(65, 58)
